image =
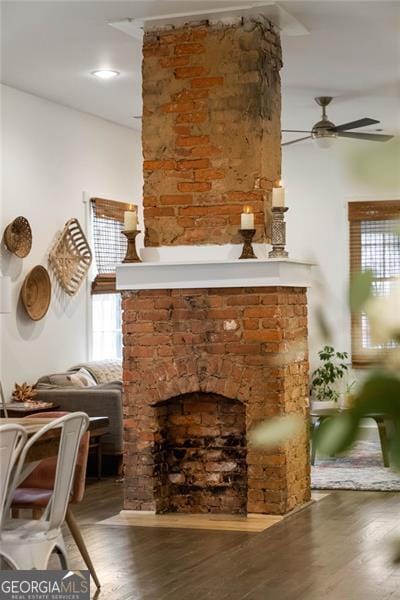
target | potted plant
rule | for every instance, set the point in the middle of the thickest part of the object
(324, 381)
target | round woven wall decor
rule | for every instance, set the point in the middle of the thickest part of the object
(36, 293)
(18, 237)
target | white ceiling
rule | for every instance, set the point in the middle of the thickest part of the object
(352, 53)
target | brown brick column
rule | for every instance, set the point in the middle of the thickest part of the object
(246, 345)
(211, 131)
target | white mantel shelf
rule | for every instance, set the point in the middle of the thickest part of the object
(214, 274)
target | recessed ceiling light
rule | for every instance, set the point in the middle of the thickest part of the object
(105, 73)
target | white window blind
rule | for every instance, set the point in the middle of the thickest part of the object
(374, 246)
(109, 243)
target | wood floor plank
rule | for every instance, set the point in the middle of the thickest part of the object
(336, 549)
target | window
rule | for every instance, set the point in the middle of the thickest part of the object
(106, 320)
(109, 251)
(374, 246)
(109, 243)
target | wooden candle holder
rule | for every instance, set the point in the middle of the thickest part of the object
(131, 253)
(247, 235)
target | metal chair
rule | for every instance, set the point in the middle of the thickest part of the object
(12, 439)
(28, 544)
(35, 491)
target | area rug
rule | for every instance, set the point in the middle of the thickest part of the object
(361, 469)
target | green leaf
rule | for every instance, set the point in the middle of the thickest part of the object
(381, 394)
(395, 447)
(360, 290)
(275, 431)
(337, 433)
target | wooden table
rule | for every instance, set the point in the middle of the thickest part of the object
(318, 415)
(98, 427)
(14, 409)
(47, 445)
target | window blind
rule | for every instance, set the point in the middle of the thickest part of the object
(109, 243)
(374, 246)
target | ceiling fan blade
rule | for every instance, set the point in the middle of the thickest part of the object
(355, 124)
(298, 140)
(295, 131)
(371, 137)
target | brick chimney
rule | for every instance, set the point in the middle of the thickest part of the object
(203, 365)
(211, 130)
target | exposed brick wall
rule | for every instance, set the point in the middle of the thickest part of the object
(244, 344)
(202, 455)
(211, 131)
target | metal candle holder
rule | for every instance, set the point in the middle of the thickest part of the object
(247, 235)
(278, 233)
(131, 254)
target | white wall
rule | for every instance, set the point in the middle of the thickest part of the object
(51, 156)
(319, 185)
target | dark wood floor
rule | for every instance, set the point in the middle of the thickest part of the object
(340, 548)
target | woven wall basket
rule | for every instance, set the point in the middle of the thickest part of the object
(18, 237)
(36, 293)
(71, 257)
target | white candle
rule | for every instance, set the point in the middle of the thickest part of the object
(278, 196)
(130, 219)
(247, 218)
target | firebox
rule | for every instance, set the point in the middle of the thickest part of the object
(201, 456)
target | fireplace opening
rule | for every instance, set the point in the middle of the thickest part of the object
(201, 455)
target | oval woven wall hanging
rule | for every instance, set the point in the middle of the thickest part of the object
(71, 257)
(36, 293)
(18, 237)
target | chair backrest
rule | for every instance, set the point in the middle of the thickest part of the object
(12, 439)
(72, 426)
(43, 476)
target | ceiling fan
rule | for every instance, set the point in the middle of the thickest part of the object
(325, 132)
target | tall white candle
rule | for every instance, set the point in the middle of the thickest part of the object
(247, 218)
(278, 196)
(130, 219)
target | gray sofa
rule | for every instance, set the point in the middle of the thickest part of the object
(94, 388)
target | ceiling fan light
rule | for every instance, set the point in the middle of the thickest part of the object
(324, 142)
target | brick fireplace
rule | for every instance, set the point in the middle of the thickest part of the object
(201, 367)
(206, 358)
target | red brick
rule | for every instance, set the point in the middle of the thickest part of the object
(150, 201)
(199, 163)
(265, 335)
(189, 49)
(192, 140)
(192, 117)
(176, 199)
(261, 311)
(155, 165)
(158, 212)
(174, 61)
(155, 50)
(188, 186)
(207, 151)
(185, 72)
(206, 82)
(185, 95)
(209, 174)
